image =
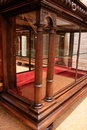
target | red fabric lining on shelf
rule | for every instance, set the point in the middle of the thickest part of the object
(28, 77)
(71, 74)
(25, 78)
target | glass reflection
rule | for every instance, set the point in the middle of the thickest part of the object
(66, 49)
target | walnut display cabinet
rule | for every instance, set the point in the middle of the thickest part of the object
(43, 58)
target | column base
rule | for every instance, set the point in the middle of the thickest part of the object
(38, 106)
(49, 99)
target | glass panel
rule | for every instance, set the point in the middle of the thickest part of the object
(63, 63)
(24, 46)
(22, 50)
(25, 55)
(65, 57)
(82, 65)
(81, 70)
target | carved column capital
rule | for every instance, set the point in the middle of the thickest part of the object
(44, 14)
(52, 29)
(40, 27)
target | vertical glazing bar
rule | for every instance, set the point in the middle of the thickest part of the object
(77, 61)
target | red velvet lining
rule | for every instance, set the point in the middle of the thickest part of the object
(28, 77)
(25, 78)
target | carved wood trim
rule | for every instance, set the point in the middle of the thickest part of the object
(45, 14)
(74, 6)
(58, 7)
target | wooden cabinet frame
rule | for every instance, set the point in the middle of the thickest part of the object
(39, 115)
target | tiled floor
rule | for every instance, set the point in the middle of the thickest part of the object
(75, 118)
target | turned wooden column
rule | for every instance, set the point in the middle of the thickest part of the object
(3, 42)
(50, 67)
(29, 50)
(38, 68)
(11, 52)
(71, 49)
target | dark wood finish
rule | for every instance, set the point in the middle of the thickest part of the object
(20, 45)
(50, 67)
(38, 67)
(3, 39)
(11, 52)
(8, 50)
(1, 64)
(71, 49)
(29, 49)
(78, 50)
(35, 114)
(42, 118)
